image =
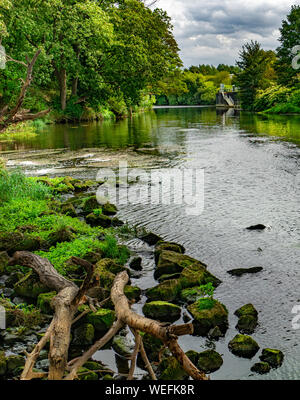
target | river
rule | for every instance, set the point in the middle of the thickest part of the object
(251, 174)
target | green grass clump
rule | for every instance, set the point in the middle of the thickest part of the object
(205, 304)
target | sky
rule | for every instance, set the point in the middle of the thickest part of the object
(213, 31)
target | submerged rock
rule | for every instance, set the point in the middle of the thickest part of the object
(209, 361)
(247, 318)
(207, 314)
(136, 264)
(258, 227)
(83, 335)
(150, 238)
(242, 271)
(162, 311)
(273, 357)
(102, 319)
(261, 368)
(243, 346)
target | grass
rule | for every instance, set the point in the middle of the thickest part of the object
(205, 304)
(25, 130)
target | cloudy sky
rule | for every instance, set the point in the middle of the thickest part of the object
(213, 31)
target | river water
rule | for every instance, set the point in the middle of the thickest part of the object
(251, 175)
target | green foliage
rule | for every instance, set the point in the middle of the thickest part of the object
(270, 97)
(205, 304)
(22, 315)
(289, 37)
(15, 186)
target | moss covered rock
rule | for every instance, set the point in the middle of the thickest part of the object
(83, 335)
(247, 318)
(68, 209)
(152, 346)
(243, 346)
(2, 363)
(162, 311)
(99, 220)
(102, 319)
(150, 238)
(196, 274)
(190, 295)
(30, 286)
(170, 262)
(89, 204)
(85, 374)
(208, 313)
(209, 361)
(193, 356)
(167, 290)
(64, 234)
(261, 368)
(170, 369)
(132, 292)
(17, 241)
(44, 302)
(14, 362)
(273, 357)
(109, 209)
(4, 258)
(161, 245)
(122, 345)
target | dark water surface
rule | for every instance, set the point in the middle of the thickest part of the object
(251, 166)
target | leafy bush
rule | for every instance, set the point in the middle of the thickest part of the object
(270, 97)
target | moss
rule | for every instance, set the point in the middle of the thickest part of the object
(171, 370)
(193, 356)
(190, 295)
(208, 313)
(89, 204)
(102, 319)
(132, 292)
(162, 311)
(85, 374)
(2, 363)
(167, 290)
(122, 345)
(261, 368)
(109, 209)
(247, 309)
(152, 346)
(196, 274)
(209, 361)
(247, 318)
(99, 220)
(4, 258)
(161, 245)
(44, 302)
(170, 262)
(30, 286)
(68, 209)
(14, 362)
(83, 335)
(243, 346)
(273, 357)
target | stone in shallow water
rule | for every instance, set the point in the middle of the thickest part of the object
(150, 238)
(243, 346)
(258, 227)
(162, 311)
(136, 264)
(242, 271)
(247, 318)
(209, 361)
(273, 357)
(261, 368)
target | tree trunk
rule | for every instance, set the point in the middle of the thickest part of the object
(63, 88)
(74, 86)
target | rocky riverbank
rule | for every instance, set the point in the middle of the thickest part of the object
(61, 218)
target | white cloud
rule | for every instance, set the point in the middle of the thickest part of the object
(213, 31)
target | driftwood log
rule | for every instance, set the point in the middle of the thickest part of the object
(65, 305)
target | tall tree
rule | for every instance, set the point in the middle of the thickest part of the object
(289, 37)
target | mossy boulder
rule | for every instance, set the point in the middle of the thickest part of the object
(243, 346)
(14, 362)
(190, 295)
(152, 346)
(161, 245)
(99, 220)
(193, 356)
(261, 368)
(85, 374)
(122, 345)
(83, 335)
(162, 311)
(150, 238)
(247, 318)
(170, 262)
(170, 369)
(196, 274)
(109, 209)
(44, 302)
(17, 241)
(4, 259)
(273, 357)
(208, 313)
(132, 292)
(30, 286)
(2, 363)
(102, 319)
(64, 234)
(89, 204)
(167, 291)
(68, 209)
(167, 277)
(209, 361)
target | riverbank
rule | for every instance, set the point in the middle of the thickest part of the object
(60, 219)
